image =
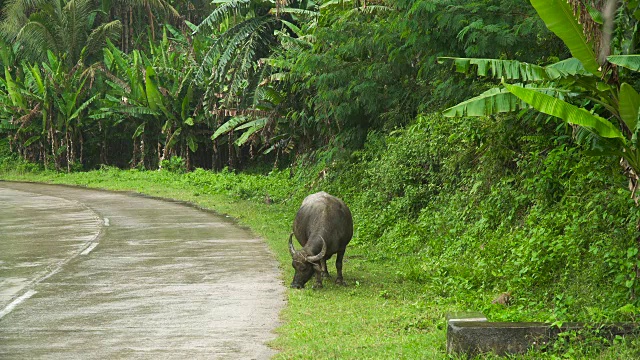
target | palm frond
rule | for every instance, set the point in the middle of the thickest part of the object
(225, 10)
(35, 38)
(98, 37)
(293, 43)
(72, 26)
(310, 14)
(165, 7)
(83, 106)
(244, 39)
(228, 45)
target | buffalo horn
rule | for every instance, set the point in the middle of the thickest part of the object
(291, 249)
(316, 258)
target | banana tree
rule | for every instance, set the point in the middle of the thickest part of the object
(173, 92)
(156, 95)
(71, 99)
(587, 91)
(25, 100)
(127, 101)
(258, 121)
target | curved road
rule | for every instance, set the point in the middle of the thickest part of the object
(89, 274)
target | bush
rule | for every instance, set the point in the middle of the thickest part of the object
(174, 164)
(481, 206)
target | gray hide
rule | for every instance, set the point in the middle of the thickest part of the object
(323, 226)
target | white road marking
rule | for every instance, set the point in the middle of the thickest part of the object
(106, 221)
(16, 302)
(89, 249)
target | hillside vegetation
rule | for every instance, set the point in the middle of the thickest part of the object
(484, 147)
(554, 229)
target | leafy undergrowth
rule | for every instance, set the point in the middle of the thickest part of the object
(440, 226)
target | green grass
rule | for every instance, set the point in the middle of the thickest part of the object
(379, 315)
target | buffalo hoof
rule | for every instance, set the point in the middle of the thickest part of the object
(317, 286)
(341, 281)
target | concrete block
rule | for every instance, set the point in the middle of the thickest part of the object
(504, 338)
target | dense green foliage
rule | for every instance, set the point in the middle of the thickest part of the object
(472, 217)
(269, 79)
(344, 96)
(551, 227)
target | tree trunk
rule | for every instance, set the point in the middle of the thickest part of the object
(214, 155)
(188, 158)
(142, 154)
(135, 151)
(68, 154)
(45, 158)
(231, 162)
(165, 151)
(125, 30)
(81, 149)
(103, 143)
(160, 152)
(54, 147)
(150, 14)
(130, 27)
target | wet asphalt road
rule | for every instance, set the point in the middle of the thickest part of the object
(88, 274)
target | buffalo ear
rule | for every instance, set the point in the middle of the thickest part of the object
(317, 267)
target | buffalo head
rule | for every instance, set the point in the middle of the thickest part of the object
(304, 264)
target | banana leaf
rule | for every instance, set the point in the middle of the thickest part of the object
(14, 92)
(631, 62)
(492, 101)
(559, 18)
(509, 69)
(154, 98)
(566, 67)
(570, 113)
(192, 142)
(253, 127)
(233, 123)
(516, 70)
(629, 102)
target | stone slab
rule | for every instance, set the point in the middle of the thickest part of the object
(505, 338)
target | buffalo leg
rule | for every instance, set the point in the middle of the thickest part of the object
(318, 284)
(339, 279)
(325, 270)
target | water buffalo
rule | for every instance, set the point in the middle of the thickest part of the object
(323, 226)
